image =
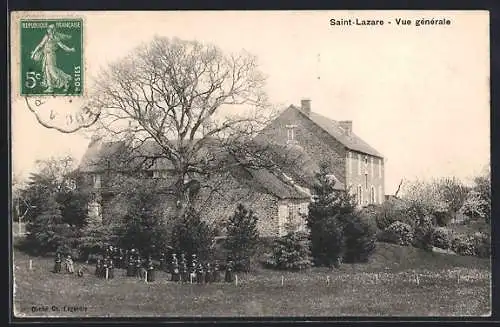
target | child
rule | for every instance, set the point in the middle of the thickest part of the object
(69, 265)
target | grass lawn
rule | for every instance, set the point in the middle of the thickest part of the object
(448, 286)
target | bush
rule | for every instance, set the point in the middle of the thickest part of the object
(482, 244)
(463, 244)
(359, 239)
(389, 212)
(422, 236)
(398, 233)
(291, 252)
(441, 238)
(242, 237)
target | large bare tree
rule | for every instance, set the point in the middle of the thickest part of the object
(193, 101)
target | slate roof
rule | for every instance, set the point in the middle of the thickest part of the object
(302, 168)
(101, 154)
(332, 127)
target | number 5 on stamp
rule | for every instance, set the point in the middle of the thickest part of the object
(51, 57)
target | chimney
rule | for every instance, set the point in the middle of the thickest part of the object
(346, 126)
(305, 105)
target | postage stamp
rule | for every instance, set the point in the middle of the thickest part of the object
(51, 57)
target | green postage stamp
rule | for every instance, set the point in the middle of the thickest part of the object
(51, 57)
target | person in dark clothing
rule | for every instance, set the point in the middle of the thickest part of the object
(110, 266)
(216, 273)
(58, 263)
(200, 273)
(208, 273)
(184, 272)
(163, 263)
(131, 266)
(229, 276)
(99, 268)
(138, 265)
(151, 270)
(194, 265)
(175, 269)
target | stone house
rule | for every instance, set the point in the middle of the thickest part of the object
(354, 164)
(278, 196)
(275, 199)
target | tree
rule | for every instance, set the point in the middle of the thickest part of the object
(453, 191)
(326, 219)
(191, 235)
(142, 227)
(183, 96)
(482, 185)
(359, 238)
(242, 237)
(51, 177)
(47, 232)
(291, 251)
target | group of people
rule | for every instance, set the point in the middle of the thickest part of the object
(138, 265)
(194, 271)
(67, 263)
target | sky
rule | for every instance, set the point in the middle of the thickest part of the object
(419, 95)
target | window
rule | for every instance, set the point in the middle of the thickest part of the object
(366, 180)
(290, 133)
(372, 195)
(380, 168)
(348, 162)
(359, 164)
(96, 179)
(380, 194)
(359, 195)
(371, 165)
(156, 174)
(149, 173)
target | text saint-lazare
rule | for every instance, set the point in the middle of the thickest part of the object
(357, 21)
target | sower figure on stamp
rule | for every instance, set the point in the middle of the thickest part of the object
(45, 51)
(58, 263)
